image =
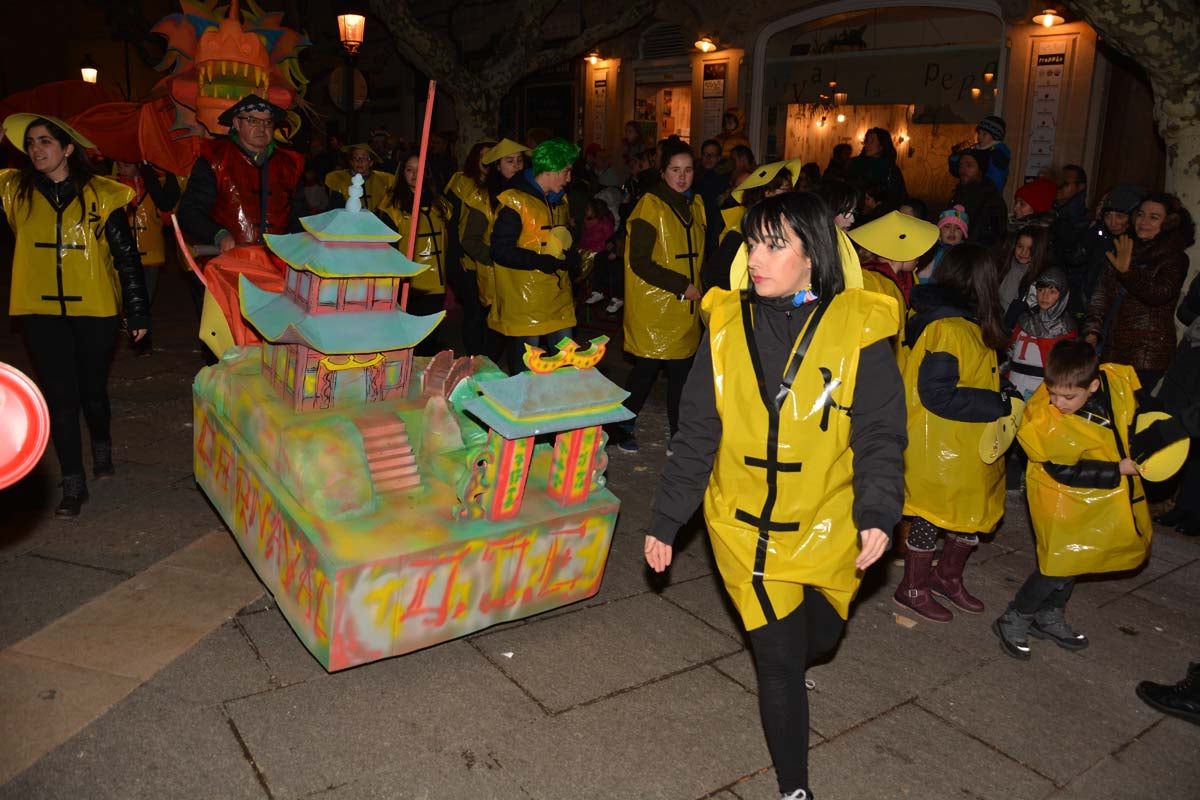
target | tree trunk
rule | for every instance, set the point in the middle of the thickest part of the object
(478, 120)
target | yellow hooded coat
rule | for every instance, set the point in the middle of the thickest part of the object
(780, 497)
(1085, 530)
(432, 240)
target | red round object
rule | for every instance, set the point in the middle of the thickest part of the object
(24, 425)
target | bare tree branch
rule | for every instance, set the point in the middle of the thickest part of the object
(429, 50)
(633, 14)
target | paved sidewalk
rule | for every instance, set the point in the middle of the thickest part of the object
(644, 691)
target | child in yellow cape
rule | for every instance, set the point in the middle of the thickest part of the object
(799, 494)
(1085, 494)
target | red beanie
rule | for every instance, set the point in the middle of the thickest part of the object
(1039, 193)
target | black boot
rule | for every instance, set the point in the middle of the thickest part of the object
(75, 494)
(1181, 700)
(102, 462)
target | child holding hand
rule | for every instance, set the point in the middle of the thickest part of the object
(1085, 494)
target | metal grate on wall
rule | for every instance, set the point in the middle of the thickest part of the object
(663, 40)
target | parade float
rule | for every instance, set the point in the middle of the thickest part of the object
(391, 502)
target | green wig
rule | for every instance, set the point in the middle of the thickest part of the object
(553, 155)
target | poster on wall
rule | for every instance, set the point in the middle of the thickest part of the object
(713, 111)
(1050, 63)
(599, 108)
(714, 80)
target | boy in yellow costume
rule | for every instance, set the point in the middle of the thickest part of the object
(1085, 494)
(798, 493)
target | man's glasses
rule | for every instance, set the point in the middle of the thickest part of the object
(257, 122)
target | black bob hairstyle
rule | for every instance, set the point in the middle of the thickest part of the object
(808, 217)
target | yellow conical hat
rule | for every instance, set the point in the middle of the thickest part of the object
(896, 236)
(504, 147)
(764, 175)
(350, 148)
(15, 126)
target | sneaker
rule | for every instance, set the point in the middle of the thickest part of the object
(615, 305)
(593, 298)
(1011, 629)
(1051, 624)
(670, 452)
(102, 460)
(75, 494)
(629, 445)
(799, 794)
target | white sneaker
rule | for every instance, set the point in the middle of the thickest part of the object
(799, 794)
(593, 298)
(615, 305)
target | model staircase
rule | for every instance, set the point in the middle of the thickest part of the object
(390, 456)
(433, 381)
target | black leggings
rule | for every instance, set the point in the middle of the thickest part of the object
(782, 652)
(71, 357)
(425, 304)
(641, 381)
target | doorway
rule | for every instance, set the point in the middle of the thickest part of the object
(663, 109)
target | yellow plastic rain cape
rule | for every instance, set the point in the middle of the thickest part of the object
(945, 481)
(811, 537)
(657, 323)
(376, 186)
(71, 242)
(1079, 530)
(529, 302)
(485, 273)
(432, 239)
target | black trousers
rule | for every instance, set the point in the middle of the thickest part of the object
(1042, 591)
(474, 330)
(547, 341)
(423, 304)
(71, 356)
(641, 381)
(783, 650)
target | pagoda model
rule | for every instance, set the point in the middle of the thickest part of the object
(392, 502)
(336, 335)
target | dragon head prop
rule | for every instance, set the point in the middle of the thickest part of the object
(219, 54)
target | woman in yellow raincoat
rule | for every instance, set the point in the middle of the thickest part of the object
(798, 493)
(534, 302)
(427, 294)
(75, 271)
(462, 190)
(952, 385)
(663, 253)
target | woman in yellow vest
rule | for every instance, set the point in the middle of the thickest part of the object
(427, 293)
(766, 181)
(664, 249)
(798, 493)
(531, 251)
(464, 188)
(361, 160)
(501, 164)
(152, 196)
(952, 386)
(75, 270)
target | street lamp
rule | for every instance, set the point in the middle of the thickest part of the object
(351, 28)
(89, 70)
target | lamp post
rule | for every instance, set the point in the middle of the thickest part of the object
(89, 70)
(350, 31)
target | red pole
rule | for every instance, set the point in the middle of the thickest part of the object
(416, 209)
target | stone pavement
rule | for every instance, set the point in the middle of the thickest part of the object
(644, 691)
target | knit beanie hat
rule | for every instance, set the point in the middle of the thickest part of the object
(956, 216)
(1124, 198)
(993, 125)
(1039, 193)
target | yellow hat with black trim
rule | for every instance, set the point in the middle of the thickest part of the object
(1164, 463)
(350, 148)
(764, 175)
(15, 126)
(998, 434)
(896, 236)
(502, 149)
(739, 270)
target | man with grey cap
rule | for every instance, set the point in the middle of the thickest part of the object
(1086, 261)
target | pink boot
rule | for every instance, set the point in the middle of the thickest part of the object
(913, 591)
